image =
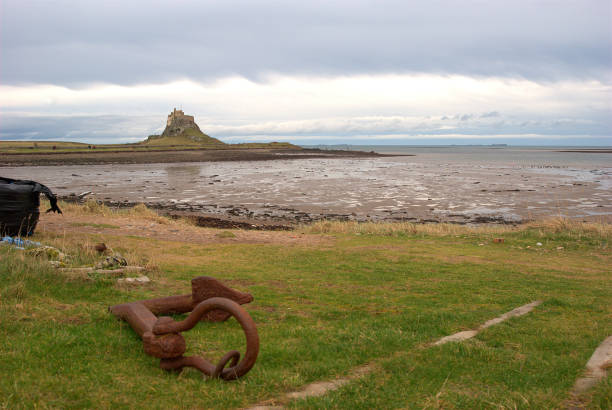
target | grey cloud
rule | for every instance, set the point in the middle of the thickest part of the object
(74, 42)
(491, 114)
(130, 128)
(82, 128)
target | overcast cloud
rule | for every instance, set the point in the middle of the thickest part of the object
(112, 70)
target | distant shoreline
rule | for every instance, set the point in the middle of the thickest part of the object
(173, 155)
(588, 151)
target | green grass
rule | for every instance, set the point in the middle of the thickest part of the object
(189, 137)
(321, 310)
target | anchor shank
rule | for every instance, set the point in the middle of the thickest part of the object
(137, 315)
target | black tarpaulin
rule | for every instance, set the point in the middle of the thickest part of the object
(19, 202)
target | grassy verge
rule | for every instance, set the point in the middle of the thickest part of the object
(165, 143)
(369, 294)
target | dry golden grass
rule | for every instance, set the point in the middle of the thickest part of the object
(569, 227)
(92, 207)
(401, 228)
(546, 226)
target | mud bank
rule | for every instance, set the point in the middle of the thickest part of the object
(277, 218)
(170, 156)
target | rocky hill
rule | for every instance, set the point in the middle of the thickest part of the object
(182, 129)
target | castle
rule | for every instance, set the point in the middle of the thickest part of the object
(179, 114)
(178, 123)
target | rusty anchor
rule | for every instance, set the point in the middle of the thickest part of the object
(209, 300)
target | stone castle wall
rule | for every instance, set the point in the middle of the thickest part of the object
(180, 116)
(178, 123)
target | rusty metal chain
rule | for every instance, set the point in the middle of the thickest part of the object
(162, 338)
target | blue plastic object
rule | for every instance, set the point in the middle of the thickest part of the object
(18, 242)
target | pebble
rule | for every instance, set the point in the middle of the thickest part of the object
(140, 280)
(539, 244)
(111, 262)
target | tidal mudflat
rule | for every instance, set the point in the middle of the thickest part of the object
(470, 185)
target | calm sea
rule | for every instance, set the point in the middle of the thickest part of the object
(519, 155)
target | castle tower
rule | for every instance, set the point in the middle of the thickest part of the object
(178, 123)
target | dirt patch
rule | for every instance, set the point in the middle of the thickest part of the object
(221, 223)
(172, 231)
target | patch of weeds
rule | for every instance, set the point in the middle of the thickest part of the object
(225, 234)
(101, 275)
(14, 292)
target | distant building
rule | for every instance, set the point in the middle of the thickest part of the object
(179, 115)
(178, 123)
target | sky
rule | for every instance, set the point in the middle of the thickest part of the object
(532, 72)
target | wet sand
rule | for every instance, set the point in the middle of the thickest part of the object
(424, 188)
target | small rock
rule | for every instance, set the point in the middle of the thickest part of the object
(112, 262)
(56, 264)
(481, 244)
(100, 247)
(51, 253)
(140, 280)
(559, 248)
(498, 240)
(539, 244)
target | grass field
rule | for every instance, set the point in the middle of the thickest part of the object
(166, 143)
(364, 294)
